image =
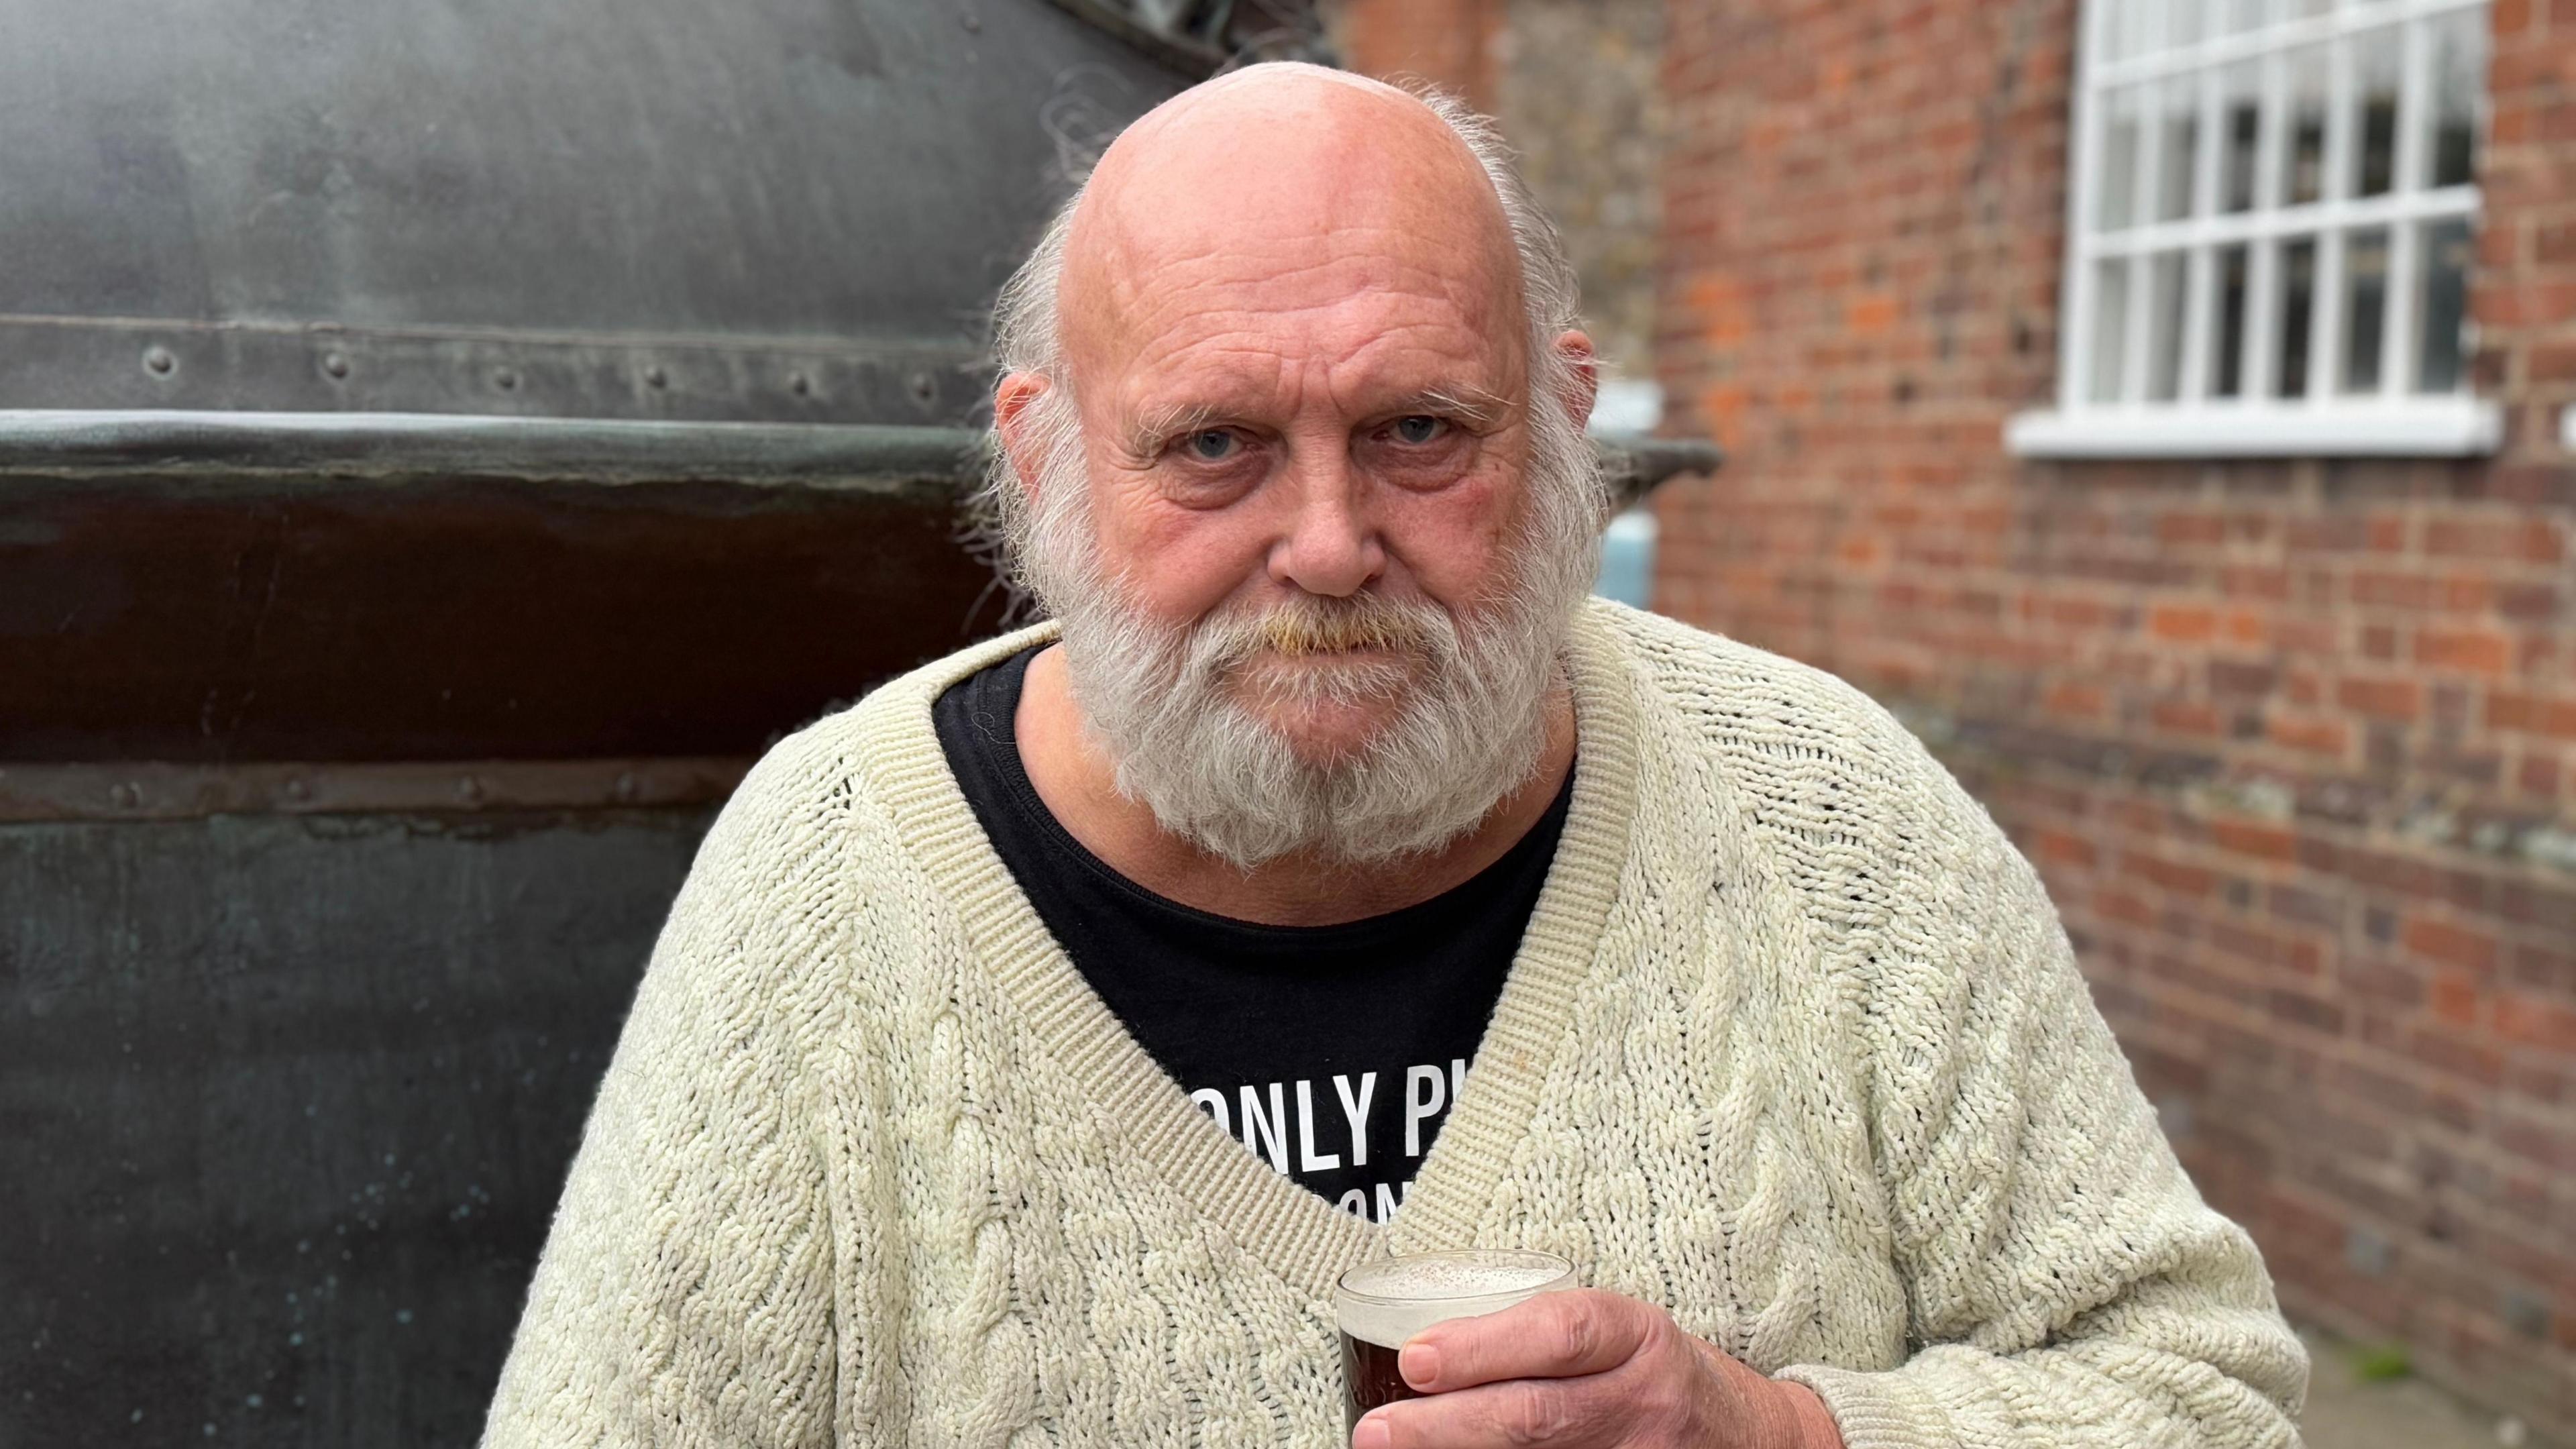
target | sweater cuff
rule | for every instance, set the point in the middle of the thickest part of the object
(1877, 1410)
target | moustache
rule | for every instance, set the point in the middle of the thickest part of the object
(1308, 628)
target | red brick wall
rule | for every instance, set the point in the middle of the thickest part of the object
(2294, 743)
(1450, 43)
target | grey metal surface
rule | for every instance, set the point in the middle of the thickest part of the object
(109, 363)
(287, 1105)
(535, 208)
(1635, 465)
(332, 449)
(353, 760)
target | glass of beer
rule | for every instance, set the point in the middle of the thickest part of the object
(1379, 1305)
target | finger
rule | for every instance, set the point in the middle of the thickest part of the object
(1552, 1336)
(1521, 1414)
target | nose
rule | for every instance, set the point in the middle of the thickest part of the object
(1332, 545)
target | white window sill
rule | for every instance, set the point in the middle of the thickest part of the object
(2413, 427)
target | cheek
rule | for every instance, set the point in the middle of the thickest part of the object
(1454, 542)
(1181, 563)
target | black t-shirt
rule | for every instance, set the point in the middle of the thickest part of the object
(1331, 1052)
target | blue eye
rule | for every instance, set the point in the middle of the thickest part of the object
(1212, 445)
(1418, 429)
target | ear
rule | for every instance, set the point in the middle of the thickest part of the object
(1012, 398)
(1576, 349)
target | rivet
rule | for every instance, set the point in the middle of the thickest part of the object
(504, 379)
(126, 797)
(469, 789)
(298, 790)
(627, 789)
(158, 358)
(797, 384)
(334, 364)
(924, 386)
(973, 25)
(655, 377)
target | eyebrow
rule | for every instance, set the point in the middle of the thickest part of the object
(1472, 403)
(1475, 405)
(1146, 436)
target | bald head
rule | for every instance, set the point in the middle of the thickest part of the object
(1289, 140)
(1291, 181)
(1261, 121)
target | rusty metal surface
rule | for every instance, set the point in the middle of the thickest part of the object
(369, 205)
(285, 1105)
(180, 619)
(465, 789)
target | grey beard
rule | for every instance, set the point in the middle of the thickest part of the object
(1471, 727)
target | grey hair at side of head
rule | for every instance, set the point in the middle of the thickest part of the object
(1027, 337)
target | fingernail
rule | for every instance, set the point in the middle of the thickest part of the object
(1372, 1434)
(1419, 1363)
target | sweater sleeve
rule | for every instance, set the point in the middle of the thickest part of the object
(684, 1293)
(2066, 1285)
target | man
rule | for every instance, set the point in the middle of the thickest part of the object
(930, 1123)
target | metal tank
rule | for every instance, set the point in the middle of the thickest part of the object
(441, 444)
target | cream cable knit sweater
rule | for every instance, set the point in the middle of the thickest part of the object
(1794, 1047)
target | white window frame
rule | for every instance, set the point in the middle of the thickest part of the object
(2390, 421)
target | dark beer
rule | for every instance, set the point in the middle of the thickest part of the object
(1379, 1305)
(1369, 1371)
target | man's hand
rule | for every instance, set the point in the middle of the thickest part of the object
(1586, 1368)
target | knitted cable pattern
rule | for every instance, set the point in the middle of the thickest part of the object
(1794, 1047)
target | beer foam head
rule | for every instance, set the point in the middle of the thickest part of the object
(1391, 1300)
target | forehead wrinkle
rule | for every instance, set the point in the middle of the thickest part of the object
(1316, 338)
(1253, 379)
(1127, 260)
(1179, 329)
(1152, 300)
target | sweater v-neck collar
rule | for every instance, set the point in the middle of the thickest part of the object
(1299, 1236)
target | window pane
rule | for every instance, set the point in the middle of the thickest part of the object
(2444, 284)
(2182, 22)
(2304, 158)
(2164, 327)
(2180, 162)
(2110, 328)
(2141, 28)
(2240, 121)
(2124, 29)
(2365, 307)
(2226, 17)
(2226, 372)
(2459, 77)
(2114, 206)
(2298, 305)
(2375, 81)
